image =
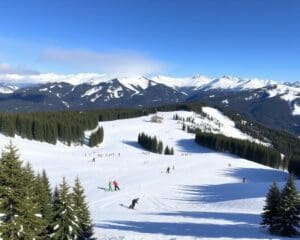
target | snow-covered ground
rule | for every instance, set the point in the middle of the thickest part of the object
(202, 198)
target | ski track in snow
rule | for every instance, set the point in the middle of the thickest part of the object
(203, 198)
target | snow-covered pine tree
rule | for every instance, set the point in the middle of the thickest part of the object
(30, 212)
(82, 212)
(17, 204)
(289, 215)
(271, 212)
(10, 193)
(65, 224)
(43, 193)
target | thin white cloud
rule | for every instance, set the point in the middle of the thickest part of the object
(120, 62)
(8, 69)
(29, 79)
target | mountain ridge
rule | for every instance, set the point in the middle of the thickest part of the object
(268, 102)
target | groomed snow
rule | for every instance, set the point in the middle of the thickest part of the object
(203, 198)
(296, 110)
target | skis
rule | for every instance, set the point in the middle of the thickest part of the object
(122, 205)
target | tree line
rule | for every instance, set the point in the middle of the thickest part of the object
(282, 209)
(153, 145)
(293, 163)
(29, 209)
(66, 126)
(242, 148)
(96, 137)
(69, 126)
(284, 142)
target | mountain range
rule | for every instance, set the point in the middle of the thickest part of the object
(274, 104)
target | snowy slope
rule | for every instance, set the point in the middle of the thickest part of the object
(203, 198)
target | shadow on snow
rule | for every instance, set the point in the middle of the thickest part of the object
(257, 184)
(236, 230)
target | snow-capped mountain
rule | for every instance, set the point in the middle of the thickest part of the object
(274, 104)
(7, 88)
(206, 83)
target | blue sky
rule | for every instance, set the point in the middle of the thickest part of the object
(257, 38)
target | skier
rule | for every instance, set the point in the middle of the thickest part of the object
(244, 179)
(116, 185)
(168, 169)
(133, 202)
(109, 186)
(94, 160)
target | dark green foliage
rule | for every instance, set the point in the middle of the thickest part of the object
(172, 151)
(96, 137)
(17, 199)
(289, 215)
(293, 163)
(28, 210)
(167, 150)
(245, 149)
(153, 145)
(32, 221)
(44, 197)
(82, 212)
(281, 212)
(271, 211)
(160, 147)
(69, 126)
(284, 142)
(65, 223)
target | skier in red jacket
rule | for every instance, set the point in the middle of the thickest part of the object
(116, 185)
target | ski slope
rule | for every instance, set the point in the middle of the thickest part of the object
(202, 198)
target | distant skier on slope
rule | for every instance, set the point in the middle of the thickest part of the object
(168, 169)
(116, 185)
(244, 180)
(109, 186)
(133, 203)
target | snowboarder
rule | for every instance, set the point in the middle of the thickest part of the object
(133, 202)
(116, 185)
(168, 169)
(244, 179)
(109, 186)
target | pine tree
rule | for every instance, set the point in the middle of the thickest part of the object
(43, 193)
(271, 212)
(289, 215)
(172, 151)
(160, 147)
(65, 223)
(10, 193)
(82, 212)
(32, 221)
(167, 150)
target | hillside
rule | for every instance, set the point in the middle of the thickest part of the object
(203, 198)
